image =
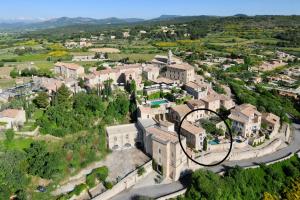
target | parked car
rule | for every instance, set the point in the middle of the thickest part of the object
(41, 188)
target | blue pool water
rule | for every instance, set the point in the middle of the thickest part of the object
(158, 102)
(214, 142)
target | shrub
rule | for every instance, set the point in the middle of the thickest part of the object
(155, 95)
(79, 188)
(9, 60)
(90, 180)
(154, 164)
(141, 171)
(9, 134)
(155, 106)
(14, 73)
(101, 173)
(108, 185)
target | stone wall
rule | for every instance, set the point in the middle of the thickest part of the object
(256, 153)
(125, 183)
(287, 132)
(241, 155)
(172, 195)
(33, 133)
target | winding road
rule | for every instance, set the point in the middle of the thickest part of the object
(161, 190)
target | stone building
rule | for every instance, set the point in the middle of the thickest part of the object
(118, 75)
(272, 123)
(182, 72)
(69, 70)
(194, 135)
(197, 90)
(122, 136)
(166, 150)
(151, 72)
(246, 120)
(12, 119)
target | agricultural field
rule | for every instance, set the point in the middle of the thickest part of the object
(133, 57)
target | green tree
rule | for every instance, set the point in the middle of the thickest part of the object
(106, 55)
(107, 88)
(81, 82)
(42, 100)
(101, 173)
(41, 162)
(9, 134)
(12, 173)
(205, 144)
(14, 73)
(63, 95)
(132, 88)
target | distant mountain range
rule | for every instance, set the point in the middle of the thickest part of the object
(62, 22)
(19, 24)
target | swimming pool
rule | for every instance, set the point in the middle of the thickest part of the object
(158, 102)
(214, 142)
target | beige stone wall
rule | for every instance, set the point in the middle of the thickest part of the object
(213, 105)
(14, 123)
(240, 155)
(228, 104)
(218, 147)
(152, 75)
(183, 76)
(180, 160)
(161, 155)
(191, 139)
(122, 139)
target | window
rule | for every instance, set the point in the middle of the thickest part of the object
(127, 136)
(159, 151)
(115, 138)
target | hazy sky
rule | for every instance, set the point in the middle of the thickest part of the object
(142, 8)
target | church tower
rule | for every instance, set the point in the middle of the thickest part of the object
(170, 55)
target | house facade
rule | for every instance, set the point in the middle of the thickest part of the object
(272, 123)
(197, 90)
(151, 72)
(68, 70)
(12, 119)
(122, 136)
(194, 135)
(182, 72)
(166, 150)
(118, 75)
(246, 120)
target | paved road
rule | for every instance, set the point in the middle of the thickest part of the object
(160, 190)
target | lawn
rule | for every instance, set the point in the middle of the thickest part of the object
(37, 114)
(28, 126)
(27, 43)
(16, 144)
(44, 65)
(32, 57)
